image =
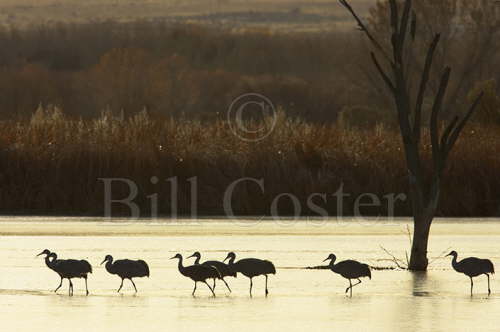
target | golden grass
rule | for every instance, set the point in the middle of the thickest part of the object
(51, 165)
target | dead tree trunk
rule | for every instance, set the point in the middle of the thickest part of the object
(424, 196)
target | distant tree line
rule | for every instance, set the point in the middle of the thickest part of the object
(193, 71)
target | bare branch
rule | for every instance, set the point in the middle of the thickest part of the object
(413, 28)
(436, 108)
(456, 132)
(382, 73)
(395, 29)
(423, 86)
(441, 255)
(394, 16)
(394, 259)
(404, 25)
(373, 79)
(446, 134)
(363, 28)
(408, 232)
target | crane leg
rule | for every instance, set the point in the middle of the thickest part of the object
(194, 290)
(60, 284)
(267, 292)
(70, 289)
(206, 283)
(251, 284)
(121, 285)
(347, 289)
(226, 285)
(489, 290)
(214, 285)
(471, 286)
(133, 284)
(86, 287)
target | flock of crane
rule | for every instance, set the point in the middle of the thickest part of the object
(249, 267)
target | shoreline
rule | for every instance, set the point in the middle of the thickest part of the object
(72, 226)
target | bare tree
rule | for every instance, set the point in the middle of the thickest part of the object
(424, 188)
(469, 31)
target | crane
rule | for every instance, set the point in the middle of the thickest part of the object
(126, 269)
(197, 273)
(251, 267)
(349, 269)
(473, 267)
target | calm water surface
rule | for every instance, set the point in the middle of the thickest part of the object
(299, 299)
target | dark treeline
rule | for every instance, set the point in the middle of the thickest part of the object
(195, 71)
(171, 70)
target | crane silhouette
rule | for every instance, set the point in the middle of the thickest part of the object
(197, 273)
(126, 269)
(67, 269)
(49, 261)
(223, 268)
(251, 267)
(473, 267)
(349, 269)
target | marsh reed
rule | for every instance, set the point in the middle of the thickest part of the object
(51, 164)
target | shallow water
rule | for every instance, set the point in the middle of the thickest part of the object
(299, 299)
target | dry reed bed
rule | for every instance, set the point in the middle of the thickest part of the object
(52, 165)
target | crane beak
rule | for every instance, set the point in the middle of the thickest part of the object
(39, 254)
(103, 261)
(172, 257)
(225, 259)
(326, 259)
(190, 256)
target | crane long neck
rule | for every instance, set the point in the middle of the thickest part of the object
(180, 266)
(332, 263)
(231, 260)
(109, 266)
(454, 262)
(48, 260)
(197, 261)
